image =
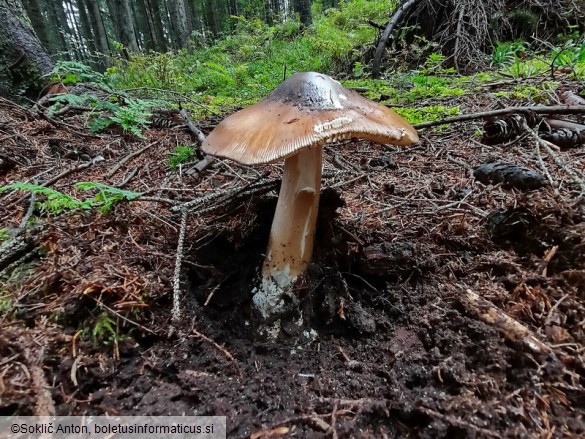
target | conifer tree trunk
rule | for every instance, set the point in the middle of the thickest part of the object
(23, 59)
(153, 21)
(86, 29)
(76, 36)
(97, 24)
(126, 25)
(180, 24)
(35, 14)
(56, 33)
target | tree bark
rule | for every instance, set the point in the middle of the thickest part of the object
(97, 24)
(211, 17)
(178, 14)
(56, 34)
(126, 25)
(155, 31)
(23, 59)
(35, 14)
(86, 29)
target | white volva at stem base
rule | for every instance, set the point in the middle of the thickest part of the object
(293, 231)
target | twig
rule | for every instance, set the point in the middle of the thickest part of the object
(550, 148)
(192, 127)
(223, 350)
(29, 212)
(509, 327)
(121, 317)
(176, 312)
(556, 109)
(129, 177)
(115, 168)
(383, 42)
(198, 134)
(460, 423)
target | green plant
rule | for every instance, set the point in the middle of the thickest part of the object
(4, 234)
(107, 196)
(426, 114)
(132, 116)
(526, 68)
(57, 202)
(182, 154)
(571, 53)
(5, 304)
(506, 53)
(74, 72)
(104, 330)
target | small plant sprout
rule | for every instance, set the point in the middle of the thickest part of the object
(293, 123)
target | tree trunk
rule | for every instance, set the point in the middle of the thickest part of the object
(22, 57)
(86, 29)
(35, 14)
(303, 8)
(126, 25)
(97, 24)
(56, 34)
(153, 20)
(76, 35)
(211, 17)
(180, 24)
(64, 28)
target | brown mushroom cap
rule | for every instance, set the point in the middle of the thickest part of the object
(306, 109)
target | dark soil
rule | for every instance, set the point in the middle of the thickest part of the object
(398, 349)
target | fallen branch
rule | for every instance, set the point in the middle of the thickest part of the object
(176, 312)
(555, 109)
(398, 14)
(198, 134)
(121, 163)
(509, 327)
(570, 98)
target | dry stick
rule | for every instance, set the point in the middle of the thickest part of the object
(223, 350)
(115, 168)
(509, 327)
(458, 38)
(192, 127)
(543, 167)
(556, 109)
(176, 312)
(570, 98)
(207, 160)
(550, 148)
(129, 177)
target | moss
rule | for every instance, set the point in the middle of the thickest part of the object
(427, 114)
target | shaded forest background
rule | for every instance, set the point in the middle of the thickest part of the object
(343, 35)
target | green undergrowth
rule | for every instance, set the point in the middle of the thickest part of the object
(182, 155)
(246, 64)
(243, 67)
(55, 203)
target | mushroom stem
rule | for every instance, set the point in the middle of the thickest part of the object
(293, 230)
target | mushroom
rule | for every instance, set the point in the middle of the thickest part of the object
(293, 123)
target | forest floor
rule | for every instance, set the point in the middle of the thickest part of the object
(443, 307)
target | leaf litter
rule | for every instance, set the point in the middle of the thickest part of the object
(443, 306)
